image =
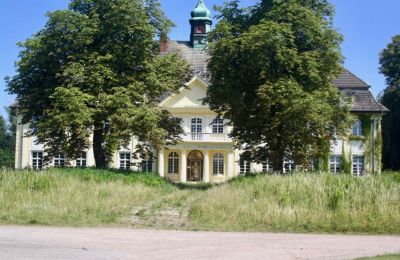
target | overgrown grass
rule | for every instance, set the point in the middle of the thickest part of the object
(297, 203)
(72, 197)
(302, 203)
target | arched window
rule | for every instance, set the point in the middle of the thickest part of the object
(357, 128)
(173, 163)
(218, 164)
(197, 129)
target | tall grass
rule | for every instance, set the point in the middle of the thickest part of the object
(302, 203)
(74, 197)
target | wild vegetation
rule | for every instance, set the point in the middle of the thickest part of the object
(297, 203)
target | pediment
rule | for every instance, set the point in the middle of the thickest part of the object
(190, 96)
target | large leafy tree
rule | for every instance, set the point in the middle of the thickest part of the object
(6, 144)
(272, 67)
(93, 76)
(390, 67)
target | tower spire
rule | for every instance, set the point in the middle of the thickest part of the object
(200, 25)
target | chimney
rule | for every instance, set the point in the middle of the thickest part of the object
(163, 43)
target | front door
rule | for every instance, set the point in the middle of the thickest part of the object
(195, 166)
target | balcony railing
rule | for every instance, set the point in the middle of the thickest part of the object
(206, 137)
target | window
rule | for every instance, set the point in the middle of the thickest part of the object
(289, 166)
(81, 161)
(37, 160)
(125, 161)
(218, 126)
(357, 128)
(173, 163)
(267, 167)
(147, 164)
(218, 164)
(335, 163)
(59, 161)
(244, 167)
(358, 165)
(197, 129)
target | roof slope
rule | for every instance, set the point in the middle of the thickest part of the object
(347, 82)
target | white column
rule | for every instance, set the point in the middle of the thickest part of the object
(230, 165)
(183, 169)
(161, 162)
(206, 167)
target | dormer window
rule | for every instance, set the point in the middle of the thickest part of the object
(357, 128)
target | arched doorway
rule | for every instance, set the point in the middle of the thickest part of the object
(195, 166)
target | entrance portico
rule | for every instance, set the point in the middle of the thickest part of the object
(196, 164)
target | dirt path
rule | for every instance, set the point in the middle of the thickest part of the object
(101, 243)
(163, 213)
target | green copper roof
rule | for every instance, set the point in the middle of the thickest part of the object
(201, 12)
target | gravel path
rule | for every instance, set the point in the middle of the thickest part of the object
(18, 242)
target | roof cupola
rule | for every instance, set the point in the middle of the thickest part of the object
(200, 25)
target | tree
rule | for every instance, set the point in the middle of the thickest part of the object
(93, 76)
(272, 67)
(6, 145)
(390, 67)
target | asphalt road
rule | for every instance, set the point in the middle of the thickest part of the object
(18, 242)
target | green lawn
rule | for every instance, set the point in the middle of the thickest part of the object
(298, 203)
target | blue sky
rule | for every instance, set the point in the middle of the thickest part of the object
(367, 27)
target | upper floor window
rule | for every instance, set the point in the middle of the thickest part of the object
(218, 126)
(197, 129)
(218, 164)
(81, 161)
(173, 163)
(197, 125)
(37, 160)
(335, 163)
(357, 128)
(125, 160)
(59, 160)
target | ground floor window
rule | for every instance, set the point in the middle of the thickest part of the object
(289, 166)
(59, 160)
(147, 164)
(125, 160)
(82, 160)
(37, 160)
(358, 165)
(218, 164)
(335, 163)
(244, 167)
(173, 163)
(267, 166)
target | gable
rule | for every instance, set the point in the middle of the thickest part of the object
(189, 97)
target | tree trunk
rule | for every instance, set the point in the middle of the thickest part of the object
(98, 148)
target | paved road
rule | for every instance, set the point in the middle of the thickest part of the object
(102, 243)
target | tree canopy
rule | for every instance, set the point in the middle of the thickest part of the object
(6, 144)
(93, 76)
(272, 67)
(390, 67)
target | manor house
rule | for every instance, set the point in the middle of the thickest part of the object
(206, 152)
